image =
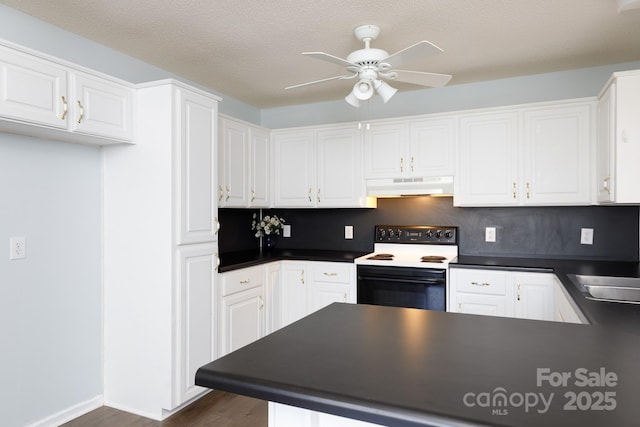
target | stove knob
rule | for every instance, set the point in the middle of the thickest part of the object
(438, 234)
(429, 234)
(391, 233)
(399, 233)
(448, 234)
(381, 233)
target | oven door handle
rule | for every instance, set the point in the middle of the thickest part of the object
(436, 281)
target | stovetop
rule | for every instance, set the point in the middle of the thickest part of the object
(412, 246)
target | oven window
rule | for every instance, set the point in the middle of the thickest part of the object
(402, 287)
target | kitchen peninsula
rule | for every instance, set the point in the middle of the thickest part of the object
(407, 367)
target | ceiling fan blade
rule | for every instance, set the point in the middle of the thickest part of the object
(321, 81)
(330, 58)
(412, 53)
(422, 78)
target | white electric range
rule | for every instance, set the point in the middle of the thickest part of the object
(408, 267)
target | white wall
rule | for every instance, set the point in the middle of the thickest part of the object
(51, 301)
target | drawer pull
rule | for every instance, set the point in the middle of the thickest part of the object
(518, 292)
(330, 274)
(245, 282)
(480, 284)
(65, 108)
(81, 107)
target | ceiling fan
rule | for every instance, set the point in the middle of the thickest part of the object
(372, 65)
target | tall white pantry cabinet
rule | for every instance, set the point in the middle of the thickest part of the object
(160, 251)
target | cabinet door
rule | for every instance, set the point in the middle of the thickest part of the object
(432, 147)
(234, 183)
(605, 178)
(565, 310)
(339, 177)
(488, 305)
(260, 159)
(385, 150)
(534, 296)
(488, 160)
(196, 163)
(101, 107)
(626, 136)
(294, 171)
(293, 292)
(323, 294)
(33, 90)
(194, 301)
(556, 155)
(242, 319)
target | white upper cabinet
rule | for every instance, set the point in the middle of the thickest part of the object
(244, 169)
(74, 105)
(319, 167)
(385, 150)
(33, 90)
(294, 169)
(339, 167)
(618, 142)
(526, 156)
(432, 147)
(418, 147)
(101, 107)
(198, 117)
(556, 155)
(488, 160)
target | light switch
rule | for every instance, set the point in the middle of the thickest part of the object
(348, 231)
(286, 230)
(586, 236)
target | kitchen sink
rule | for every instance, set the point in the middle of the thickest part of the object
(608, 288)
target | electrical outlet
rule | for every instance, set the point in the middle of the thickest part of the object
(17, 247)
(586, 236)
(286, 230)
(348, 231)
(490, 234)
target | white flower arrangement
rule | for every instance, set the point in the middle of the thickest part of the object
(268, 225)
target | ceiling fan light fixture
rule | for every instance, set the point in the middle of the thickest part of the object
(352, 100)
(363, 90)
(384, 90)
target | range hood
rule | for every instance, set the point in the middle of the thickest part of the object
(394, 187)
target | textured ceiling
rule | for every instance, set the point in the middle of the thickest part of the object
(250, 49)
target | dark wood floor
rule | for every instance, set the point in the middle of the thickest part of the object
(216, 409)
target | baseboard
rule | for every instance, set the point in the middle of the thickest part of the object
(157, 416)
(70, 413)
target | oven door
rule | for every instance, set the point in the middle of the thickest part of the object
(402, 287)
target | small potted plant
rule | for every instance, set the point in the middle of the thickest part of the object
(269, 227)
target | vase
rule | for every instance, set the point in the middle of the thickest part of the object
(269, 241)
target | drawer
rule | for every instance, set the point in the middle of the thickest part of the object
(240, 280)
(332, 272)
(479, 281)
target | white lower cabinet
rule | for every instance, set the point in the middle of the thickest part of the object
(241, 318)
(281, 415)
(566, 310)
(195, 339)
(534, 295)
(308, 286)
(502, 293)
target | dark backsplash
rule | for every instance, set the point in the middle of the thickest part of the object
(536, 232)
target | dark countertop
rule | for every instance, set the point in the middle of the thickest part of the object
(408, 367)
(618, 316)
(241, 259)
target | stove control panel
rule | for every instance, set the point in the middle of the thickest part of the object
(416, 234)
